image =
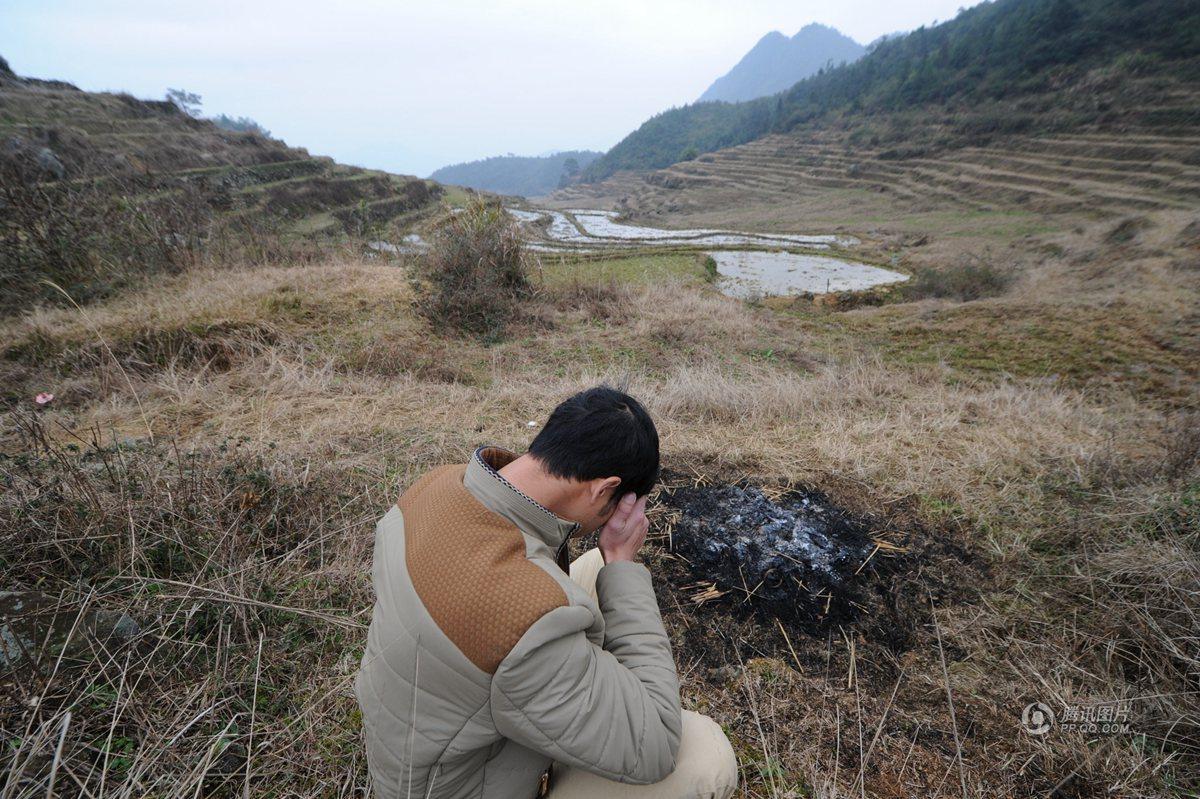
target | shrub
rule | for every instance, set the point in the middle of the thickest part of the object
(187, 102)
(965, 282)
(473, 276)
(1136, 63)
(1127, 230)
(89, 237)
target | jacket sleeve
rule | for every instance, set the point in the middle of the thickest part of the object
(613, 711)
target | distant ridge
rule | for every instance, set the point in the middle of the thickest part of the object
(527, 176)
(777, 62)
(997, 68)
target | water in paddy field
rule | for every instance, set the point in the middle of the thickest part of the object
(746, 272)
(562, 229)
(524, 216)
(38, 630)
(603, 225)
(749, 273)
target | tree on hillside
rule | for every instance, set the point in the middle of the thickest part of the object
(239, 125)
(570, 171)
(187, 102)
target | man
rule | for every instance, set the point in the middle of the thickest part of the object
(489, 670)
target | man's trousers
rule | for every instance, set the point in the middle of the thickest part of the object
(705, 768)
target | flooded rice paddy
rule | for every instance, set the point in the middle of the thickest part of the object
(748, 264)
(751, 273)
(604, 225)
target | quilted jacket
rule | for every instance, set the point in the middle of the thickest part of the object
(485, 662)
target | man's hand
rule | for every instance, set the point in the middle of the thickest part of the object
(622, 536)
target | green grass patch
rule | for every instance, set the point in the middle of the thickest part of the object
(456, 196)
(1005, 224)
(632, 269)
(322, 222)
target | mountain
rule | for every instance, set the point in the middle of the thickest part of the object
(777, 62)
(999, 67)
(529, 176)
(99, 190)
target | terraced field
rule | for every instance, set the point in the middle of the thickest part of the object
(1085, 225)
(1097, 216)
(84, 136)
(1100, 174)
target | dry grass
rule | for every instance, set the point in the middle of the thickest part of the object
(288, 405)
(242, 575)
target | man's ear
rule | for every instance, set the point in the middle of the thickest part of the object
(601, 486)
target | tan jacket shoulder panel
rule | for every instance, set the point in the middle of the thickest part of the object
(470, 569)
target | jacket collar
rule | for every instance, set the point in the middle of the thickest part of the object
(483, 479)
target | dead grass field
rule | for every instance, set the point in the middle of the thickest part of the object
(221, 442)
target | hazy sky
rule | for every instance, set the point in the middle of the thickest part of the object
(409, 86)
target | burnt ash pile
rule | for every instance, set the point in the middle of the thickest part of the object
(797, 558)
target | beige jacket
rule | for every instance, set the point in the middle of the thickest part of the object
(485, 662)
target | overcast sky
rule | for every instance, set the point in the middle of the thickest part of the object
(409, 86)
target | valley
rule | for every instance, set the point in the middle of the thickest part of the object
(928, 398)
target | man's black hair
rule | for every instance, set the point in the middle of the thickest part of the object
(600, 432)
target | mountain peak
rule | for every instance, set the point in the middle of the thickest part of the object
(772, 41)
(777, 62)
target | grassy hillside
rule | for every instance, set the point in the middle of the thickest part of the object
(1000, 67)
(531, 176)
(100, 190)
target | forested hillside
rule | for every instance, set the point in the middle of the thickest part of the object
(1003, 66)
(512, 174)
(777, 62)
